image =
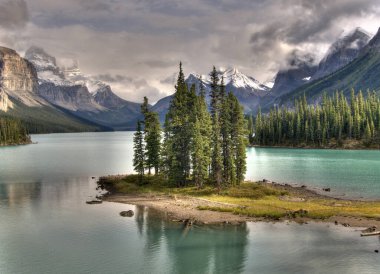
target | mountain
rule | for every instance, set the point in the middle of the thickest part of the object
(299, 69)
(342, 52)
(248, 90)
(18, 78)
(80, 94)
(19, 98)
(360, 74)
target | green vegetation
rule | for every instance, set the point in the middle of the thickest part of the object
(152, 137)
(334, 121)
(12, 132)
(138, 152)
(197, 146)
(47, 120)
(249, 199)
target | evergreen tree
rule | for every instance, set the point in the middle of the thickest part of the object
(215, 106)
(333, 121)
(179, 129)
(152, 137)
(139, 151)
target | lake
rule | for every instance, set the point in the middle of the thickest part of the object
(46, 227)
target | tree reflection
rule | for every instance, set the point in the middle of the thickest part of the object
(195, 249)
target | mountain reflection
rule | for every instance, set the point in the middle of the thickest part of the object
(16, 195)
(50, 193)
(216, 249)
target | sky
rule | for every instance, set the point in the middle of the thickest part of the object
(136, 45)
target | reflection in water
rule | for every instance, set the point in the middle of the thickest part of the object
(205, 249)
(46, 226)
(16, 195)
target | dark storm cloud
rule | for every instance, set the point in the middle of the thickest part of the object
(13, 13)
(308, 21)
(136, 44)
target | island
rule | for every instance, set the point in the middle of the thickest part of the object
(250, 201)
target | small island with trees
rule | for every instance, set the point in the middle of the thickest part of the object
(193, 169)
(13, 132)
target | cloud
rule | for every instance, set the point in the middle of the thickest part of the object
(301, 23)
(113, 78)
(13, 13)
(170, 80)
(126, 42)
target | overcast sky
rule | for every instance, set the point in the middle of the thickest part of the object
(136, 45)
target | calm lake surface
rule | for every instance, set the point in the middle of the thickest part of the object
(46, 227)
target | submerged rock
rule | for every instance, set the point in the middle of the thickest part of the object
(128, 213)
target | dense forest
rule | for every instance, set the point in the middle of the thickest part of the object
(12, 132)
(197, 145)
(335, 120)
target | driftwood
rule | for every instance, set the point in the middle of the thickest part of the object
(375, 233)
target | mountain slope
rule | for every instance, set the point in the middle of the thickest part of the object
(80, 94)
(19, 98)
(299, 69)
(342, 52)
(361, 74)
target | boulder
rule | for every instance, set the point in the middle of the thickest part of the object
(128, 213)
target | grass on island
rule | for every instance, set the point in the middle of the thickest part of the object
(250, 199)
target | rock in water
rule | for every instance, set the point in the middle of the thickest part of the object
(93, 202)
(128, 213)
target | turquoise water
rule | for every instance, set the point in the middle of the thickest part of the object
(352, 173)
(46, 227)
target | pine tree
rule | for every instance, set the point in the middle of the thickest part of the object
(200, 157)
(239, 138)
(179, 130)
(335, 120)
(152, 137)
(139, 151)
(215, 106)
(226, 128)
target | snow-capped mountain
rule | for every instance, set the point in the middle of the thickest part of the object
(55, 88)
(79, 93)
(234, 78)
(342, 52)
(46, 67)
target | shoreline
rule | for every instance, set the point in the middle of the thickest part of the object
(206, 210)
(316, 147)
(19, 144)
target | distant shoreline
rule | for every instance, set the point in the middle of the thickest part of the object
(331, 146)
(212, 209)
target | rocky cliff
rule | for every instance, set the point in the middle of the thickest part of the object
(18, 79)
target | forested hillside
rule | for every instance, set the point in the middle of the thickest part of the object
(336, 120)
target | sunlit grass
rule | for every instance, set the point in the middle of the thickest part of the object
(250, 199)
